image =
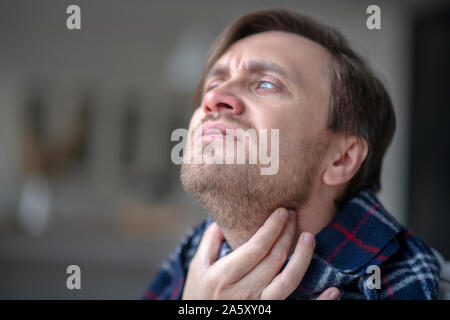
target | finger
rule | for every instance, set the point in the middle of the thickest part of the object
(209, 247)
(329, 294)
(289, 279)
(270, 266)
(239, 262)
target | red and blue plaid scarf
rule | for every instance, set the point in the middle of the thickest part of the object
(361, 234)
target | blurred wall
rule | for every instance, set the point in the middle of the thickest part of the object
(117, 206)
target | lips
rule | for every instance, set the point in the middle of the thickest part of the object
(215, 130)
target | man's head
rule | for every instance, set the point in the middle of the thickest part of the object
(281, 70)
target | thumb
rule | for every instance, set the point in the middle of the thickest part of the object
(209, 247)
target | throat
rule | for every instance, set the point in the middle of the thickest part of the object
(238, 224)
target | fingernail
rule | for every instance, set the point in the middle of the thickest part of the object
(283, 214)
(334, 294)
(307, 237)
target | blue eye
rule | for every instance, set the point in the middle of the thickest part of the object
(266, 85)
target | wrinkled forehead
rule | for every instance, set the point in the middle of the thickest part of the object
(292, 52)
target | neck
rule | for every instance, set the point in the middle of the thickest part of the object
(314, 215)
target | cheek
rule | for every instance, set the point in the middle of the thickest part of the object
(286, 130)
(292, 129)
(302, 121)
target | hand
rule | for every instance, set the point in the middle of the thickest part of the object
(252, 271)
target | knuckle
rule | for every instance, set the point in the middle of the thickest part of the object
(286, 284)
(257, 249)
(210, 278)
(210, 283)
(215, 279)
(278, 257)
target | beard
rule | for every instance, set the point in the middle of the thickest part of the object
(238, 197)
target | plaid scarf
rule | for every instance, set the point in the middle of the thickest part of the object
(362, 234)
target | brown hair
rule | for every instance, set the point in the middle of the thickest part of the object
(358, 104)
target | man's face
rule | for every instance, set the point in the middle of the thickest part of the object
(271, 80)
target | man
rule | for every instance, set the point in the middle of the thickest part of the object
(315, 228)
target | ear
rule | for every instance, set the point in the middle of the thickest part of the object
(346, 160)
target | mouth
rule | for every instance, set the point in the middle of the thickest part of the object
(217, 130)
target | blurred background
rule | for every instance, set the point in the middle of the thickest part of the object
(86, 117)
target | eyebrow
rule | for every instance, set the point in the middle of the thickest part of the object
(252, 66)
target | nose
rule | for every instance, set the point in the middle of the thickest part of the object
(220, 101)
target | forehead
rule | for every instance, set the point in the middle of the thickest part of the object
(290, 51)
